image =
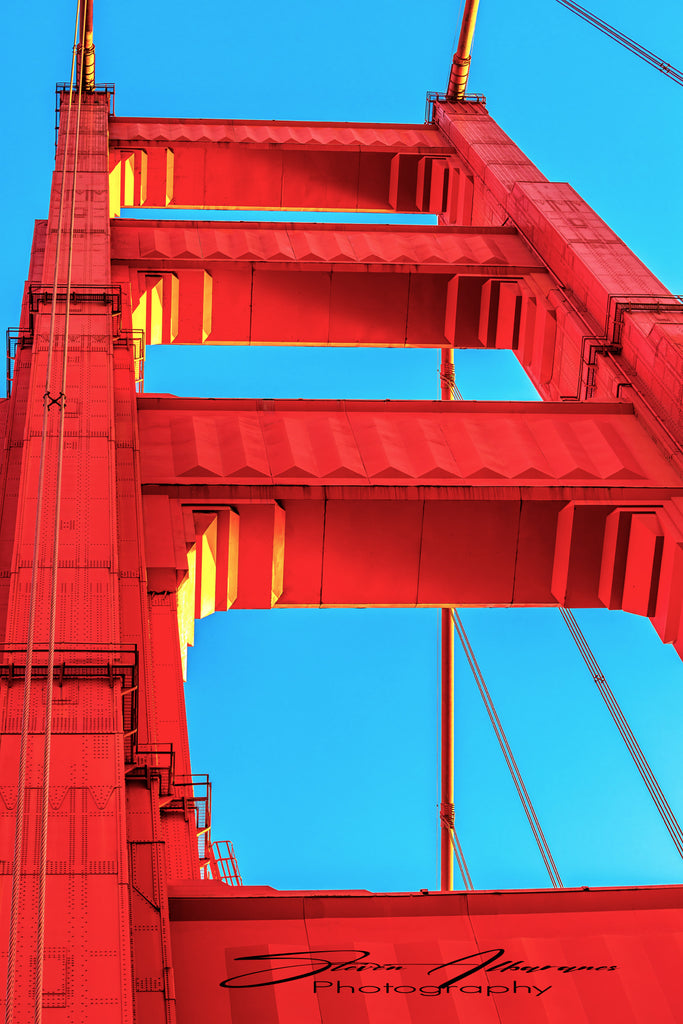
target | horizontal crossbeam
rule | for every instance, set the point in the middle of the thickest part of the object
(201, 132)
(325, 284)
(445, 248)
(273, 165)
(541, 445)
(405, 503)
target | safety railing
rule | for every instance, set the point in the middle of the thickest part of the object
(222, 864)
(79, 663)
(192, 794)
(136, 338)
(154, 760)
(41, 294)
(106, 88)
(17, 338)
(442, 97)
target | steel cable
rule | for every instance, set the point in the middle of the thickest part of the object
(28, 673)
(460, 858)
(513, 768)
(629, 44)
(447, 817)
(447, 381)
(639, 759)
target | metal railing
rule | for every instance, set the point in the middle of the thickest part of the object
(117, 665)
(442, 97)
(136, 337)
(222, 864)
(106, 88)
(41, 294)
(192, 794)
(154, 760)
(17, 338)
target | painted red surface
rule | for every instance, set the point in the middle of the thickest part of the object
(271, 165)
(369, 493)
(506, 958)
(324, 284)
(172, 509)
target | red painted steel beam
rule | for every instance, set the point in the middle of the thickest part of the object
(609, 300)
(575, 243)
(335, 135)
(613, 932)
(384, 547)
(327, 284)
(376, 443)
(273, 165)
(348, 503)
(421, 246)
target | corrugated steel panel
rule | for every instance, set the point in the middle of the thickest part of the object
(322, 243)
(373, 443)
(126, 131)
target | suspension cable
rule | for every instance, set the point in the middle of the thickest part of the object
(28, 673)
(515, 773)
(639, 759)
(447, 379)
(460, 859)
(61, 401)
(447, 819)
(629, 44)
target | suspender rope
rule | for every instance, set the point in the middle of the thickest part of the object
(447, 377)
(639, 759)
(448, 823)
(28, 674)
(532, 818)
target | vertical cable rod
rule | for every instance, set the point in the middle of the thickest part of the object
(447, 805)
(28, 673)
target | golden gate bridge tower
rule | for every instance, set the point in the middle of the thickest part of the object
(126, 516)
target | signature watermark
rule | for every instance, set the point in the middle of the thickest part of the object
(297, 965)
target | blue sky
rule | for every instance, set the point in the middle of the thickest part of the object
(335, 784)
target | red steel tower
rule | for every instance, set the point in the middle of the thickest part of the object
(126, 516)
